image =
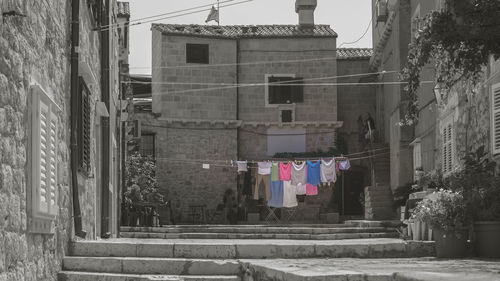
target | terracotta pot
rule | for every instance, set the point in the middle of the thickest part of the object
(487, 239)
(451, 244)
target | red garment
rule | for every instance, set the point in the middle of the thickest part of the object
(311, 189)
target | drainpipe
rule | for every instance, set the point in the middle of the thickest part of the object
(238, 111)
(105, 121)
(75, 42)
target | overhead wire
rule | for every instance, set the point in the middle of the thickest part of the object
(364, 34)
(169, 17)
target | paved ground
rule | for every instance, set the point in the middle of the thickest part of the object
(376, 269)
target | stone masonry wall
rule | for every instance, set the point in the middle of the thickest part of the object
(354, 101)
(34, 49)
(320, 102)
(215, 104)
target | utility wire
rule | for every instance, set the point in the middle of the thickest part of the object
(362, 36)
(169, 17)
(262, 84)
(323, 84)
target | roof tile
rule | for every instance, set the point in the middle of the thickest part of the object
(243, 31)
(354, 53)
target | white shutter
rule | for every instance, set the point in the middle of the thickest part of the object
(495, 118)
(448, 148)
(44, 156)
(52, 164)
(43, 190)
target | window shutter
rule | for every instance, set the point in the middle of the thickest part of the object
(495, 118)
(44, 180)
(448, 149)
(52, 164)
(298, 90)
(44, 157)
(84, 127)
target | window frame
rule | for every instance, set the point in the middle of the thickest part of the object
(296, 80)
(495, 117)
(206, 53)
(43, 214)
(153, 136)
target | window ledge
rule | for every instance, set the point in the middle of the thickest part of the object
(40, 225)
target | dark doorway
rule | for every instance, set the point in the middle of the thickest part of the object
(354, 184)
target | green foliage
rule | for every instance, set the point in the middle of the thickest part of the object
(459, 41)
(479, 185)
(142, 184)
(445, 210)
(402, 193)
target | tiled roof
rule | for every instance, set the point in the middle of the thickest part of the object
(354, 53)
(123, 9)
(242, 31)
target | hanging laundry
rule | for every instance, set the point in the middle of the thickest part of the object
(263, 181)
(344, 164)
(328, 171)
(242, 166)
(299, 173)
(311, 189)
(276, 200)
(264, 168)
(275, 171)
(247, 184)
(301, 189)
(285, 171)
(313, 173)
(289, 195)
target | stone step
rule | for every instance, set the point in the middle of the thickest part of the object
(92, 276)
(254, 231)
(143, 265)
(373, 223)
(388, 233)
(249, 249)
(387, 204)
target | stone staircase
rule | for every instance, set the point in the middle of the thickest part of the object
(222, 258)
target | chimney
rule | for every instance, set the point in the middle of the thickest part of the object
(305, 9)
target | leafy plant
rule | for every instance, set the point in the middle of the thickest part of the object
(402, 193)
(141, 180)
(479, 185)
(459, 41)
(445, 210)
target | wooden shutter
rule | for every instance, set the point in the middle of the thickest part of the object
(44, 156)
(273, 90)
(44, 177)
(281, 92)
(495, 118)
(447, 148)
(84, 126)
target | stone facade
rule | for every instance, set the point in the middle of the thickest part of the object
(35, 56)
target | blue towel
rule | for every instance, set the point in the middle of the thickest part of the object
(276, 194)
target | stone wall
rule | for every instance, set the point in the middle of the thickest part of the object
(188, 101)
(320, 102)
(35, 50)
(354, 101)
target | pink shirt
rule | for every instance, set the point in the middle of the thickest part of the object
(311, 189)
(285, 171)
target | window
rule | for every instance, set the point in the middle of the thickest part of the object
(417, 158)
(495, 118)
(448, 150)
(147, 145)
(44, 142)
(197, 53)
(286, 116)
(381, 10)
(83, 131)
(284, 90)
(416, 22)
(285, 140)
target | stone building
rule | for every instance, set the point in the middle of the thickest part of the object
(198, 116)
(448, 126)
(51, 127)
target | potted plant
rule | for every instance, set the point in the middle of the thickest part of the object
(446, 214)
(481, 189)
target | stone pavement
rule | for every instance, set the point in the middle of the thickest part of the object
(412, 269)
